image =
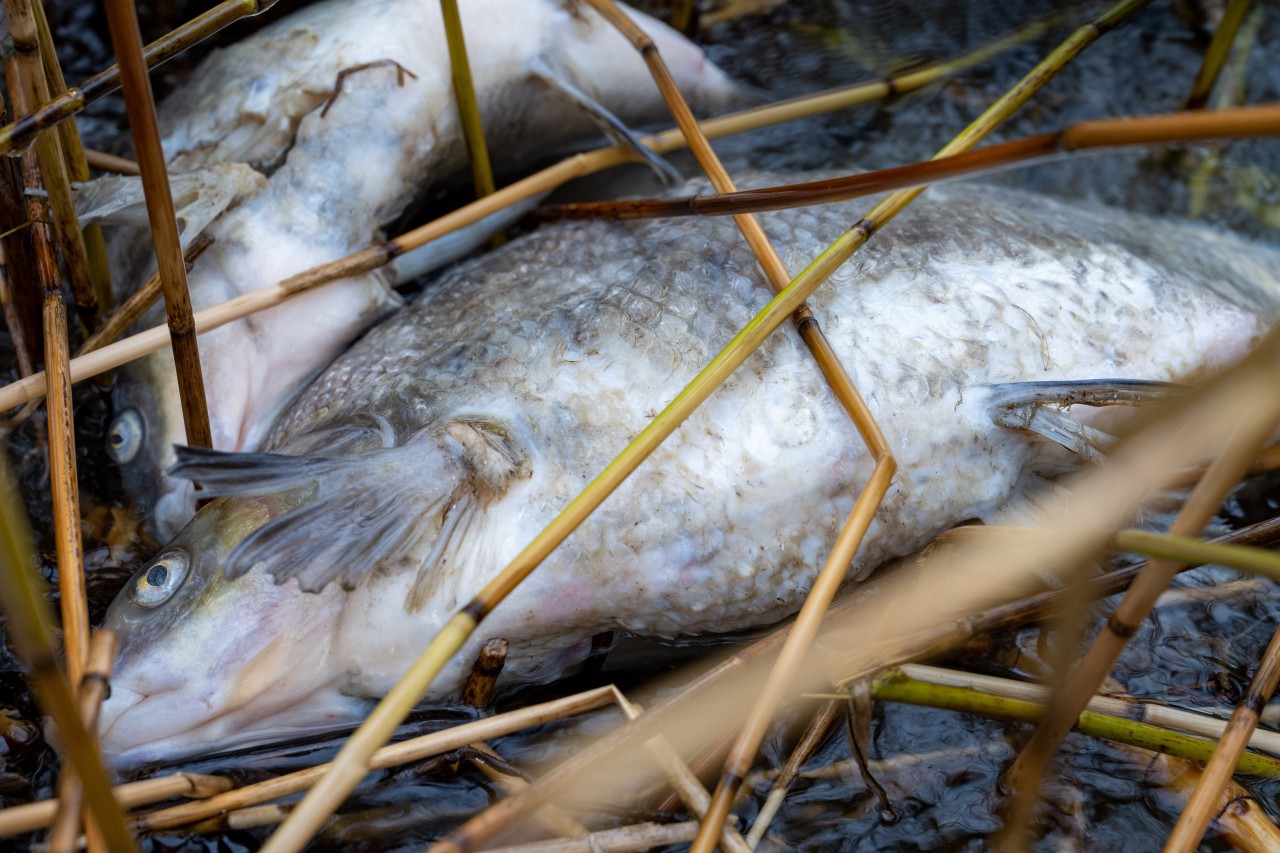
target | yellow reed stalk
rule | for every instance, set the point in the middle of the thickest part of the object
(30, 633)
(389, 756)
(465, 92)
(1216, 56)
(29, 817)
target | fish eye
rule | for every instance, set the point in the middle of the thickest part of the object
(125, 437)
(157, 581)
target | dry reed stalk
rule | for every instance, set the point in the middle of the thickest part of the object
(29, 817)
(465, 93)
(1239, 820)
(390, 756)
(122, 17)
(21, 131)
(13, 322)
(1204, 801)
(553, 817)
(687, 787)
(478, 691)
(1216, 55)
(95, 246)
(1161, 716)
(62, 456)
(1240, 449)
(111, 162)
(33, 87)
(93, 689)
(1086, 137)
(813, 736)
(626, 839)
(30, 634)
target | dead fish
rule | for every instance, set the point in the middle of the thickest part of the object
(428, 455)
(350, 106)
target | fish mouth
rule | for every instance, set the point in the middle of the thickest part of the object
(168, 727)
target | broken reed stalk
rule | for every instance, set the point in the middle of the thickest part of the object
(813, 736)
(77, 167)
(1216, 55)
(63, 485)
(31, 388)
(1086, 137)
(91, 693)
(465, 93)
(1239, 450)
(897, 686)
(686, 785)
(20, 132)
(806, 627)
(30, 633)
(111, 162)
(722, 679)
(29, 817)
(122, 18)
(868, 501)
(415, 749)
(34, 89)
(1240, 820)
(1203, 803)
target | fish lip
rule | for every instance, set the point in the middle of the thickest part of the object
(175, 747)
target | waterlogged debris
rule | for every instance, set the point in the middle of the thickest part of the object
(426, 457)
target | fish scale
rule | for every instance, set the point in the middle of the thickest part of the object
(461, 425)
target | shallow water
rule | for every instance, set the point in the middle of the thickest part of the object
(1193, 654)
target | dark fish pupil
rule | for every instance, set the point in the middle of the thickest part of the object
(157, 575)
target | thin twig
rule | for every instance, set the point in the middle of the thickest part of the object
(813, 735)
(122, 17)
(111, 162)
(92, 691)
(29, 817)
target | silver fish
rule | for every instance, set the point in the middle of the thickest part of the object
(351, 103)
(422, 460)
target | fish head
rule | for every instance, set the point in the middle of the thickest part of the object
(212, 662)
(147, 424)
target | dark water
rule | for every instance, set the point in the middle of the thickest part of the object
(1199, 653)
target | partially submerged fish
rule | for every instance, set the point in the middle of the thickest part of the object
(427, 456)
(351, 102)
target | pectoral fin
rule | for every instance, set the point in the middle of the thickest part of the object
(1038, 407)
(609, 123)
(364, 505)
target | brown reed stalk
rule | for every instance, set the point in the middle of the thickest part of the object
(1086, 137)
(1204, 801)
(92, 691)
(94, 245)
(29, 817)
(111, 162)
(53, 165)
(20, 132)
(122, 18)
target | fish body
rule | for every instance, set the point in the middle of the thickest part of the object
(427, 456)
(349, 105)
